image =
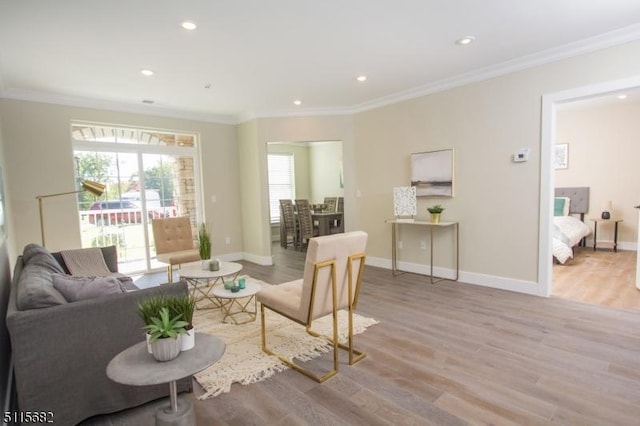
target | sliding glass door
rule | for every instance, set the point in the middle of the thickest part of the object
(148, 175)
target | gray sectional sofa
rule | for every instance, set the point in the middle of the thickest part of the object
(61, 349)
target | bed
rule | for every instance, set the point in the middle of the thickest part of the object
(569, 230)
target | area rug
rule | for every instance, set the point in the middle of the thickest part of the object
(244, 362)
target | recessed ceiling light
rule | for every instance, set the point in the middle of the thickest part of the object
(465, 40)
(148, 73)
(361, 78)
(188, 25)
(622, 96)
(297, 102)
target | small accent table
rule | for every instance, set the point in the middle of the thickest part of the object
(228, 300)
(137, 367)
(615, 231)
(451, 225)
(202, 280)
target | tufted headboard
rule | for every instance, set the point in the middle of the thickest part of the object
(579, 199)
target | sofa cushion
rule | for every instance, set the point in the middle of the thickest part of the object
(80, 288)
(35, 288)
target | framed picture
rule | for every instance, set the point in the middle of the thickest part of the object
(432, 173)
(561, 156)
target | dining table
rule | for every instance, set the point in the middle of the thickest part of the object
(328, 222)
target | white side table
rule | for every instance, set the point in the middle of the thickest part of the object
(232, 304)
(202, 281)
(137, 367)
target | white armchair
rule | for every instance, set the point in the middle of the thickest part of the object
(331, 281)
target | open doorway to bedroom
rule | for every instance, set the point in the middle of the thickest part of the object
(595, 150)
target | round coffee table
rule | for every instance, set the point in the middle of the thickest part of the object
(202, 281)
(231, 303)
(136, 366)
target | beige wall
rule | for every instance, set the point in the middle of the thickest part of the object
(38, 143)
(497, 201)
(604, 149)
(325, 170)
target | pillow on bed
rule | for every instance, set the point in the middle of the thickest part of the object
(561, 206)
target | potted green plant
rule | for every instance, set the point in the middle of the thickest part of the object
(165, 331)
(204, 242)
(185, 305)
(435, 212)
(149, 308)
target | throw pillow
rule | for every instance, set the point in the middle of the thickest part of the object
(81, 288)
(35, 286)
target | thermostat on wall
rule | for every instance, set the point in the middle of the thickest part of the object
(521, 156)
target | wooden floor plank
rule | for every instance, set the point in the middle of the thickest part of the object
(449, 354)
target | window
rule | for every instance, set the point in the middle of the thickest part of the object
(281, 182)
(149, 174)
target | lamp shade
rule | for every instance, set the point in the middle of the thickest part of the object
(95, 188)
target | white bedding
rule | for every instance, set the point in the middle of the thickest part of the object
(567, 232)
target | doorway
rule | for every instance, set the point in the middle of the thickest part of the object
(316, 173)
(550, 105)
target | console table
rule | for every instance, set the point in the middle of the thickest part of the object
(136, 366)
(395, 223)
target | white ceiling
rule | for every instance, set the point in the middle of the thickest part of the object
(260, 55)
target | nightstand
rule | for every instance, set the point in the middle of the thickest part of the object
(615, 232)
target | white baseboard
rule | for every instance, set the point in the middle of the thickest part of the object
(622, 245)
(260, 260)
(492, 281)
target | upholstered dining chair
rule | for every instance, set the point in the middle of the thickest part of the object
(331, 281)
(173, 239)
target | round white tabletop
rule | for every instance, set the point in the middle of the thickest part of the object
(249, 290)
(194, 270)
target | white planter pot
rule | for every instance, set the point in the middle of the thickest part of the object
(188, 340)
(205, 264)
(166, 349)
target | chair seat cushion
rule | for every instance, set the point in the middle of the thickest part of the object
(178, 257)
(284, 298)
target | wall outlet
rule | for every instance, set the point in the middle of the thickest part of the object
(423, 245)
(214, 199)
(400, 245)
(227, 240)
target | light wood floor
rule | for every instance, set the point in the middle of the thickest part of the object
(449, 354)
(602, 277)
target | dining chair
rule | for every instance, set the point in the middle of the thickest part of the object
(331, 203)
(305, 222)
(174, 242)
(331, 281)
(288, 226)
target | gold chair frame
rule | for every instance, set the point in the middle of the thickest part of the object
(355, 355)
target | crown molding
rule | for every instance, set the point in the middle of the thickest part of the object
(581, 47)
(30, 96)
(592, 44)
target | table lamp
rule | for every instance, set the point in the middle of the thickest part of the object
(95, 188)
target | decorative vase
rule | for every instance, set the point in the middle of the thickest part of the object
(205, 264)
(435, 217)
(166, 349)
(606, 215)
(188, 341)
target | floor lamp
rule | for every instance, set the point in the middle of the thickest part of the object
(95, 188)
